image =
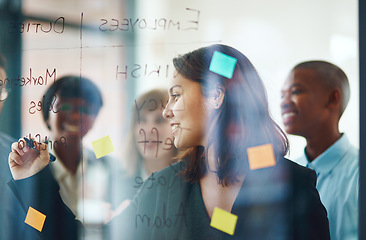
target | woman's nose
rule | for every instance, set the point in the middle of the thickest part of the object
(167, 113)
(75, 112)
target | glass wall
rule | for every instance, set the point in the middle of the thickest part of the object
(125, 48)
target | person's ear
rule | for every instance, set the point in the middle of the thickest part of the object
(335, 99)
(218, 96)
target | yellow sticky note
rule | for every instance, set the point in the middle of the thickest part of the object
(35, 219)
(261, 156)
(103, 146)
(224, 221)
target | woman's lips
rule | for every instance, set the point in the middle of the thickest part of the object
(72, 128)
(151, 145)
(175, 127)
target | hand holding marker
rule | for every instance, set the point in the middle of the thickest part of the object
(30, 143)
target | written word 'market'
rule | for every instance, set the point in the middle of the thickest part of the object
(31, 79)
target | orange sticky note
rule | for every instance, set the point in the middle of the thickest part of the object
(261, 156)
(103, 146)
(35, 219)
(224, 221)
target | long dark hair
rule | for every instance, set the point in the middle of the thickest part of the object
(243, 120)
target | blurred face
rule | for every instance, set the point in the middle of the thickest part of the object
(2, 77)
(73, 119)
(153, 135)
(304, 103)
(186, 112)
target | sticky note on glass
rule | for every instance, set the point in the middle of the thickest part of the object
(261, 156)
(223, 64)
(35, 219)
(224, 221)
(103, 146)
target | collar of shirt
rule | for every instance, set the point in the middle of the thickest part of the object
(326, 161)
(61, 172)
(143, 172)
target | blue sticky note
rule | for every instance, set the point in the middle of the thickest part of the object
(223, 64)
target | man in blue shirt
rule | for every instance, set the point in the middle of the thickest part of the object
(314, 97)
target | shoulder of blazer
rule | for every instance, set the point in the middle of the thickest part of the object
(299, 172)
(284, 171)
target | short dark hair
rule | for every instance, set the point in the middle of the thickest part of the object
(72, 87)
(331, 76)
(243, 120)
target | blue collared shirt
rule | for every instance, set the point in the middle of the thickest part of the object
(338, 184)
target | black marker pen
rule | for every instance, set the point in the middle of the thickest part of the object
(30, 143)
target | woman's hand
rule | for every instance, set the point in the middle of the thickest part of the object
(25, 161)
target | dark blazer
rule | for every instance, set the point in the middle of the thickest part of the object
(41, 193)
(9, 208)
(279, 202)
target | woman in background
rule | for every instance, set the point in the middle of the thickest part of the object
(149, 146)
(70, 107)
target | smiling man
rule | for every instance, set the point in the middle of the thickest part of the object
(70, 108)
(314, 97)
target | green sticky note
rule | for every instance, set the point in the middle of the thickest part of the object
(224, 221)
(223, 64)
(103, 146)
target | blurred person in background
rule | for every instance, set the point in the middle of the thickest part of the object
(314, 97)
(71, 106)
(150, 145)
(8, 212)
(5, 140)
